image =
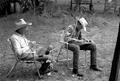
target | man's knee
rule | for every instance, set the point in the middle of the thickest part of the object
(73, 47)
(47, 56)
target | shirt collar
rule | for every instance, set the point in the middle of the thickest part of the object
(20, 35)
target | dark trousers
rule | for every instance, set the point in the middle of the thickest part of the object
(76, 50)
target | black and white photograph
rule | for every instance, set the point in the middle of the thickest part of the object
(59, 40)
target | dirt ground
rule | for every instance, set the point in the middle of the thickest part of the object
(102, 29)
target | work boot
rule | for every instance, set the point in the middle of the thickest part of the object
(76, 72)
(94, 68)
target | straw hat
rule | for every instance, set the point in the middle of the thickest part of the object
(83, 22)
(21, 23)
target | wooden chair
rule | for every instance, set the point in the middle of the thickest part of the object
(63, 44)
(18, 60)
(86, 2)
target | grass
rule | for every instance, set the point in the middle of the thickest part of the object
(102, 29)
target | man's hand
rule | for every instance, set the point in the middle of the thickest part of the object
(32, 43)
(89, 41)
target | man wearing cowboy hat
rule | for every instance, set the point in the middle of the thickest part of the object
(76, 43)
(24, 48)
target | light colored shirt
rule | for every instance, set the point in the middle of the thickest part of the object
(21, 45)
(70, 33)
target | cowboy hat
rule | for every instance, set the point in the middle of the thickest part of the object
(21, 23)
(83, 22)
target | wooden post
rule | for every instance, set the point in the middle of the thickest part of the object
(115, 3)
(119, 12)
(34, 6)
(105, 5)
(91, 6)
(71, 5)
(14, 6)
(116, 60)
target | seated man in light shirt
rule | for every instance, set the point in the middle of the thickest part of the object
(24, 48)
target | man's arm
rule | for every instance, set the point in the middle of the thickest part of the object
(17, 47)
(81, 38)
(31, 43)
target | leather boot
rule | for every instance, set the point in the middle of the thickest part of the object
(94, 68)
(76, 72)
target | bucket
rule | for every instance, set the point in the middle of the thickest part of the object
(119, 12)
(17, 7)
(11, 7)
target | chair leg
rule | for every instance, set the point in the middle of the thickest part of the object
(37, 69)
(85, 65)
(58, 54)
(67, 59)
(85, 60)
(13, 67)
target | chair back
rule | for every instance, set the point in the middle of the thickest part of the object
(12, 47)
(62, 35)
(64, 44)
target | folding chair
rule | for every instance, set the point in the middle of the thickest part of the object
(63, 43)
(18, 60)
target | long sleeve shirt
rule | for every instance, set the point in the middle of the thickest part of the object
(70, 32)
(21, 45)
